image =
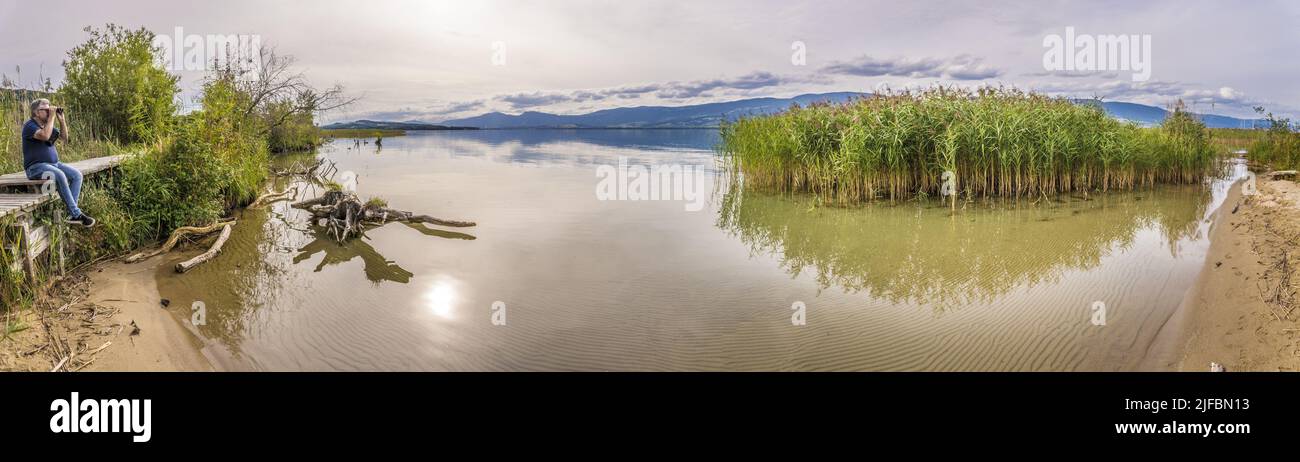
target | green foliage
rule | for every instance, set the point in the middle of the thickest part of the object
(998, 142)
(178, 185)
(190, 170)
(115, 80)
(295, 131)
(113, 232)
(234, 138)
(1279, 146)
(213, 160)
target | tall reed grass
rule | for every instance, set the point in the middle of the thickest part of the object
(998, 142)
(1278, 147)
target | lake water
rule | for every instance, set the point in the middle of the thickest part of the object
(590, 284)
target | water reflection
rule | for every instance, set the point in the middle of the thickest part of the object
(623, 285)
(921, 252)
(377, 268)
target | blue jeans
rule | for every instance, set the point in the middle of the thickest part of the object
(66, 178)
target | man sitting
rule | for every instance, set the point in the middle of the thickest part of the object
(41, 160)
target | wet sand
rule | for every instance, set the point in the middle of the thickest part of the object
(1224, 317)
(164, 342)
(85, 323)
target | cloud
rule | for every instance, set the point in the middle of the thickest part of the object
(534, 99)
(960, 67)
(666, 90)
(1073, 74)
(751, 81)
(460, 107)
(1161, 93)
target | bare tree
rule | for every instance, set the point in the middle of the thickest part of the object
(272, 82)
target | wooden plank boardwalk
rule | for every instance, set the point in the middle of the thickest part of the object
(20, 196)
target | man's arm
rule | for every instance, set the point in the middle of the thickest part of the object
(63, 125)
(44, 133)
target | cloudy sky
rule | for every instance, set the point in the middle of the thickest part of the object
(434, 60)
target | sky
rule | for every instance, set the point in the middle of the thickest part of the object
(436, 60)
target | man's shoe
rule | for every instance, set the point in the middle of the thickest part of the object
(83, 220)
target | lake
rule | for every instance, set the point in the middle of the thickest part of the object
(555, 278)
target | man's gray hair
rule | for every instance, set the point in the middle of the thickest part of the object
(37, 104)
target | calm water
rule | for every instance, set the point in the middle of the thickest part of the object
(648, 285)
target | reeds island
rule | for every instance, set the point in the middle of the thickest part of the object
(997, 142)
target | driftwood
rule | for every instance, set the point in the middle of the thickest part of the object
(205, 256)
(345, 216)
(299, 169)
(176, 237)
(1281, 174)
(270, 197)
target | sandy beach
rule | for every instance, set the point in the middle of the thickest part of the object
(1236, 315)
(90, 322)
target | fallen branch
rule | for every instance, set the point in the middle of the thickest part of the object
(270, 197)
(175, 239)
(205, 256)
(59, 365)
(399, 215)
(299, 169)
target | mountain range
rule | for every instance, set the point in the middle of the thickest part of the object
(378, 124)
(710, 115)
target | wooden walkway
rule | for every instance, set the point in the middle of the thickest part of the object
(20, 196)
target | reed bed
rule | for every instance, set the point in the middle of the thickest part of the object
(1278, 147)
(998, 142)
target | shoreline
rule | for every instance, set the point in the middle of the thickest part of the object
(1224, 317)
(1221, 318)
(87, 323)
(165, 343)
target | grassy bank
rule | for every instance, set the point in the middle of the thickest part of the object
(187, 170)
(997, 142)
(1278, 147)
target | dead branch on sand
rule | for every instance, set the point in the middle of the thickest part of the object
(205, 256)
(176, 237)
(271, 197)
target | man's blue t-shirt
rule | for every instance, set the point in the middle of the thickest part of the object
(36, 151)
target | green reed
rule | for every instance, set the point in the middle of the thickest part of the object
(998, 142)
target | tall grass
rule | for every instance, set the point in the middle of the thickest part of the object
(1278, 147)
(1235, 139)
(998, 142)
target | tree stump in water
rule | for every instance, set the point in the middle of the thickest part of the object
(345, 216)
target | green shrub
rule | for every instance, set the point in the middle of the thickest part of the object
(295, 132)
(1279, 146)
(114, 79)
(179, 184)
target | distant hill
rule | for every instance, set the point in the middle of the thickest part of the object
(692, 116)
(375, 124)
(711, 115)
(1151, 115)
